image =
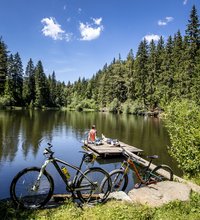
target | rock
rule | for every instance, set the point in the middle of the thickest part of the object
(161, 193)
(194, 187)
(120, 196)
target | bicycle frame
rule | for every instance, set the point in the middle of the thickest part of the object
(70, 187)
(130, 164)
(33, 186)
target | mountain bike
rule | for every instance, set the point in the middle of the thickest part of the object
(33, 187)
(145, 175)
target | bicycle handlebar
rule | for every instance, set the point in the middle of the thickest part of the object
(48, 150)
(50, 145)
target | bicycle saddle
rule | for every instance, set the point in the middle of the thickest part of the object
(153, 157)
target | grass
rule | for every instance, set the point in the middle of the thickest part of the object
(112, 210)
(194, 179)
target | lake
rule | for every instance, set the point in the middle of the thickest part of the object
(24, 134)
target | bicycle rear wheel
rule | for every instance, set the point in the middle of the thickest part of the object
(27, 192)
(119, 180)
(161, 173)
(89, 186)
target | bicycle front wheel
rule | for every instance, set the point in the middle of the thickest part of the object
(119, 180)
(89, 186)
(28, 192)
(161, 173)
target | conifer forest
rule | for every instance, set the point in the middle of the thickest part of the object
(157, 74)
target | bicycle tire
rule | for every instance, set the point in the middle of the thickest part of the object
(22, 193)
(119, 180)
(158, 176)
(86, 192)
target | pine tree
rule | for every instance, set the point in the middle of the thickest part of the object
(8, 93)
(113, 84)
(168, 70)
(29, 84)
(102, 99)
(191, 53)
(119, 87)
(68, 94)
(141, 68)
(177, 56)
(52, 89)
(193, 31)
(61, 97)
(153, 99)
(3, 65)
(160, 51)
(130, 81)
(9, 86)
(41, 92)
(106, 85)
(17, 78)
(196, 86)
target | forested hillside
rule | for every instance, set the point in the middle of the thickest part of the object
(158, 73)
(32, 88)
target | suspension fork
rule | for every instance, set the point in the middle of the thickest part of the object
(125, 169)
(37, 183)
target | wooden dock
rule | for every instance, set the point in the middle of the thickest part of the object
(109, 150)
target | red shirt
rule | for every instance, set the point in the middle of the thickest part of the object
(92, 134)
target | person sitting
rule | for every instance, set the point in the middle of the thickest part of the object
(92, 134)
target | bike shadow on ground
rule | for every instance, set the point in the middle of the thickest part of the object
(59, 200)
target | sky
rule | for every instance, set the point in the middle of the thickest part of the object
(76, 38)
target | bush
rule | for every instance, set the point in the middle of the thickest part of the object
(84, 104)
(132, 107)
(6, 101)
(182, 121)
(88, 104)
(115, 106)
(127, 107)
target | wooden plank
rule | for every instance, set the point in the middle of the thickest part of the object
(106, 149)
(87, 148)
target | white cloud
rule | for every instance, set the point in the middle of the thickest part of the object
(165, 21)
(53, 29)
(91, 31)
(169, 19)
(79, 10)
(162, 23)
(151, 37)
(97, 21)
(185, 2)
(68, 36)
(65, 7)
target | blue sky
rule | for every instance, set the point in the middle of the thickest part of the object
(77, 37)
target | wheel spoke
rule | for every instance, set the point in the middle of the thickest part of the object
(28, 192)
(94, 193)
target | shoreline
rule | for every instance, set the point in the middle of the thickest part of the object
(155, 113)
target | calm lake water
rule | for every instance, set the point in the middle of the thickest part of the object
(24, 134)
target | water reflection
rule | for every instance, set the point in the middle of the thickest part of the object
(22, 133)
